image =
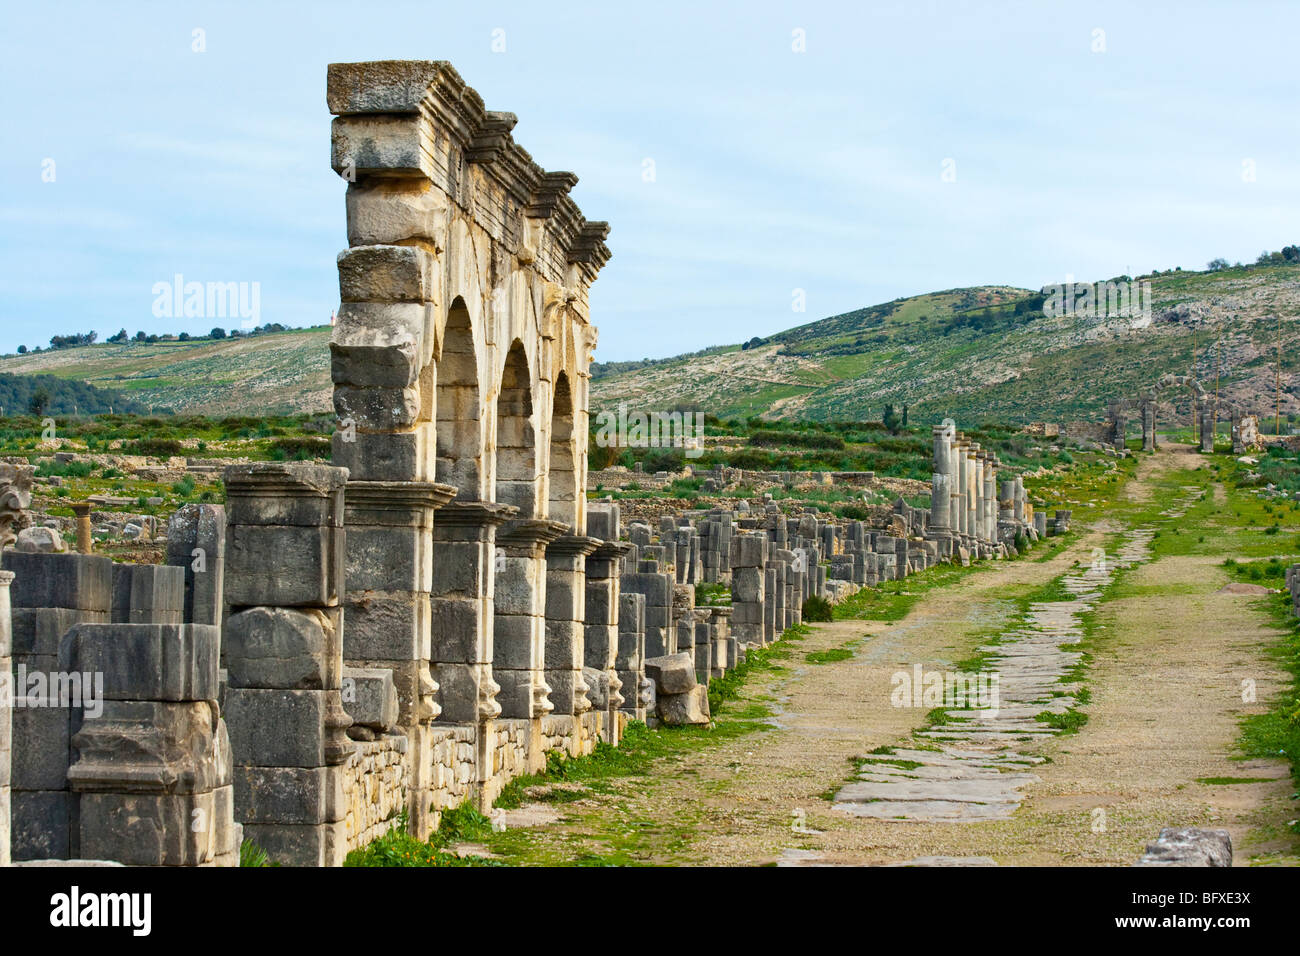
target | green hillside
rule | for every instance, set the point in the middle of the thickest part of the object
(276, 373)
(991, 354)
(982, 354)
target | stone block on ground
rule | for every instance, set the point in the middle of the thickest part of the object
(672, 673)
(1189, 846)
(679, 710)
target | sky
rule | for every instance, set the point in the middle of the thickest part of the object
(762, 165)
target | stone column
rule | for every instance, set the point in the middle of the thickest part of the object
(990, 478)
(630, 661)
(1007, 511)
(285, 567)
(519, 639)
(748, 555)
(1207, 427)
(1148, 408)
(389, 573)
(941, 489)
(973, 490)
(85, 542)
(600, 628)
(462, 609)
(566, 596)
(6, 715)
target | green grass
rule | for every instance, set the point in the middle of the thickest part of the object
(830, 656)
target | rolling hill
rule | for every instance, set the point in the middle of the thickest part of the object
(275, 373)
(978, 354)
(989, 354)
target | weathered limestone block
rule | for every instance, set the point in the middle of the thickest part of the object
(276, 796)
(148, 594)
(385, 273)
(1189, 846)
(305, 721)
(284, 648)
(689, 708)
(672, 674)
(40, 541)
(370, 698)
(196, 542)
(150, 662)
(81, 582)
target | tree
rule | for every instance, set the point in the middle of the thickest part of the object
(40, 401)
(1217, 265)
(890, 419)
(140, 336)
(183, 337)
(22, 350)
(218, 333)
(904, 416)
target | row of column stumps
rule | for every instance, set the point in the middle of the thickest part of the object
(973, 512)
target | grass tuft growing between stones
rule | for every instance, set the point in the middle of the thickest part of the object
(397, 847)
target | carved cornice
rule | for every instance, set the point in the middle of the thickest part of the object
(433, 90)
(572, 545)
(529, 533)
(475, 514)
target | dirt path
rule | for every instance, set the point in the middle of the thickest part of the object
(1169, 658)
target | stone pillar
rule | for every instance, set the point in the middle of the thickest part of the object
(1148, 409)
(1007, 511)
(462, 609)
(170, 801)
(389, 574)
(600, 627)
(1018, 501)
(990, 479)
(6, 715)
(1207, 417)
(748, 556)
(85, 542)
(941, 489)
(286, 560)
(726, 653)
(960, 448)
(566, 596)
(196, 541)
(630, 660)
(519, 639)
(49, 594)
